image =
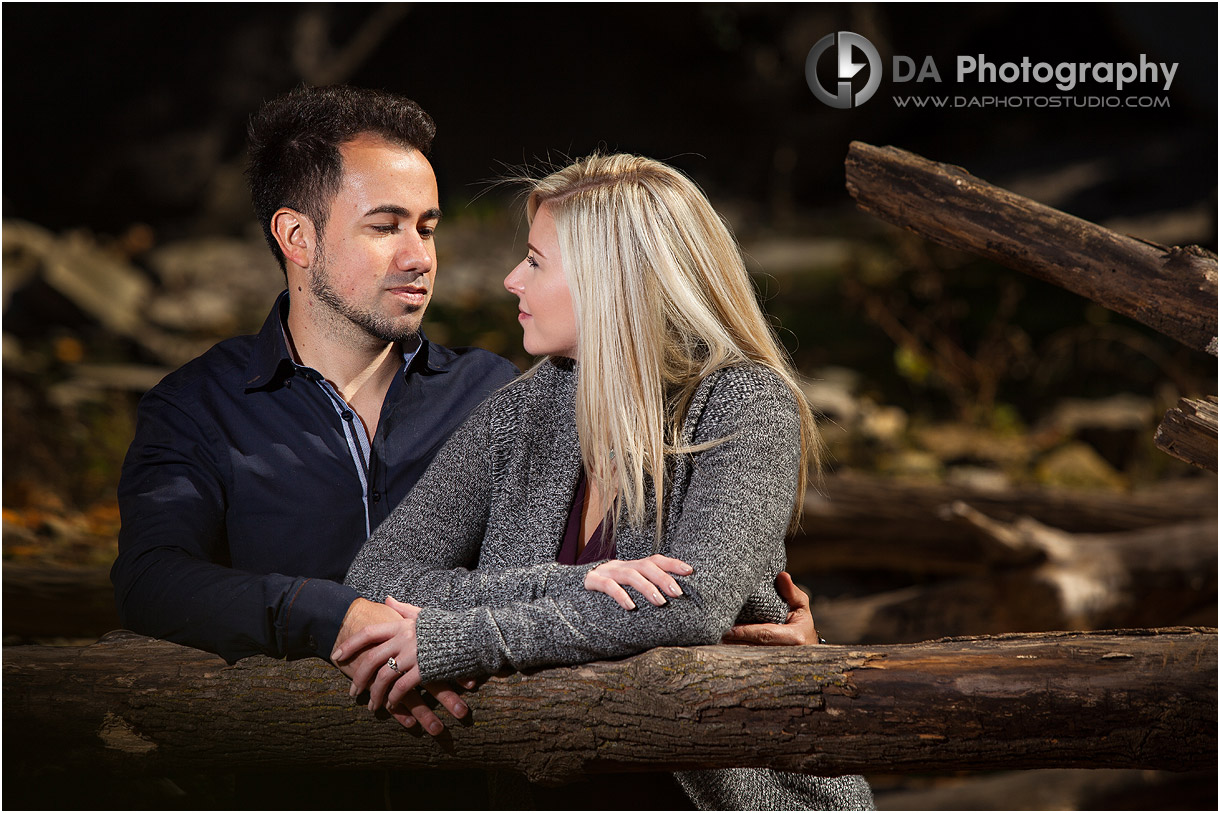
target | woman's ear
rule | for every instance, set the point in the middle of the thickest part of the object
(295, 234)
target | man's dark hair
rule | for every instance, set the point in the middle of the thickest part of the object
(294, 158)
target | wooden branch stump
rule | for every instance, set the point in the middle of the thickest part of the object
(1140, 699)
(1189, 432)
(1170, 289)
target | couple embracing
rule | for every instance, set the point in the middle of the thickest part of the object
(338, 486)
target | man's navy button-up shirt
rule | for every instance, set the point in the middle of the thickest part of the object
(246, 494)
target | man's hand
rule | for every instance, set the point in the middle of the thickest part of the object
(798, 630)
(364, 638)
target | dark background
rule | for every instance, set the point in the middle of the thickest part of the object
(124, 131)
(120, 113)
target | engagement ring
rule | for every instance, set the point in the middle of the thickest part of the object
(393, 664)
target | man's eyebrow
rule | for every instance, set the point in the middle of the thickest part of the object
(399, 211)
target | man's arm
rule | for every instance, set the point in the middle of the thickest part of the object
(172, 578)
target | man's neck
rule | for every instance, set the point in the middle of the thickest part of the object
(358, 366)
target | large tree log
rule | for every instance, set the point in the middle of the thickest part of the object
(1171, 290)
(869, 523)
(1189, 432)
(1141, 698)
(1053, 580)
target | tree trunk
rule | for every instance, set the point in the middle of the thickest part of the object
(1137, 698)
(1189, 432)
(1171, 290)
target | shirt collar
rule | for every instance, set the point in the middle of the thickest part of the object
(271, 362)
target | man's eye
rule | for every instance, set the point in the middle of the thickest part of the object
(388, 228)
(427, 231)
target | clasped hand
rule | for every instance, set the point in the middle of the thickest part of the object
(366, 656)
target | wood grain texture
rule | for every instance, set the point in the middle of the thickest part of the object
(1189, 432)
(1136, 699)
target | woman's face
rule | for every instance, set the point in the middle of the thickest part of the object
(545, 303)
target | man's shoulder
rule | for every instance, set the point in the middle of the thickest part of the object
(471, 361)
(224, 365)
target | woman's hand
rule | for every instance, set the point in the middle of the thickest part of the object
(645, 575)
(365, 657)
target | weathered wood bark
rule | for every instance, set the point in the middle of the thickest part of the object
(1141, 698)
(1189, 432)
(1172, 290)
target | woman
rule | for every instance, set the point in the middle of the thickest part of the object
(659, 368)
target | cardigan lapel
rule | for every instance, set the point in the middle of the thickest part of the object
(555, 470)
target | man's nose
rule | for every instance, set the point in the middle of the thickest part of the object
(415, 254)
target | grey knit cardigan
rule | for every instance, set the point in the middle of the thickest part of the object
(499, 494)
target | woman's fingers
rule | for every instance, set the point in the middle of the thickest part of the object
(412, 704)
(603, 584)
(671, 564)
(365, 667)
(402, 608)
(648, 576)
(633, 576)
(660, 578)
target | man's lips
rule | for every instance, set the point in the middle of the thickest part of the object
(411, 293)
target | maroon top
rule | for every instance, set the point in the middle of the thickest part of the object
(593, 551)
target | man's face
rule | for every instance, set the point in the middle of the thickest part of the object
(376, 260)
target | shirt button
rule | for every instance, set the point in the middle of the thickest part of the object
(288, 383)
(376, 496)
(347, 415)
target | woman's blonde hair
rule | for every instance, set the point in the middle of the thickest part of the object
(662, 300)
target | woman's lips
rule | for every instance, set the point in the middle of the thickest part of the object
(522, 316)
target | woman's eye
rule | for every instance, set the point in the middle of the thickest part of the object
(529, 259)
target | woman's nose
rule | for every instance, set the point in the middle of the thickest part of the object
(512, 282)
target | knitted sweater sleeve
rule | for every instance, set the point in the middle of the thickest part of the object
(423, 551)
(734, 514)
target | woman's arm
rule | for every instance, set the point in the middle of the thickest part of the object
(422, 551)
(734, 516)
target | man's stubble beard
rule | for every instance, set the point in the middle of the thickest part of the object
(373, 324)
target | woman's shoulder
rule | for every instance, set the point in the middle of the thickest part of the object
(739, 394)
(543, 386)
(747, 382)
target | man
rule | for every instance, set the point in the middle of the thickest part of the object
(259, 469)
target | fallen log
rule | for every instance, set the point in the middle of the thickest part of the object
(1136, 699)
(1189, 432)
(862, 523)
(1170, 289)
(1053, 580)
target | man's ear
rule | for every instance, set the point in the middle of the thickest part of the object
(295, 234)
